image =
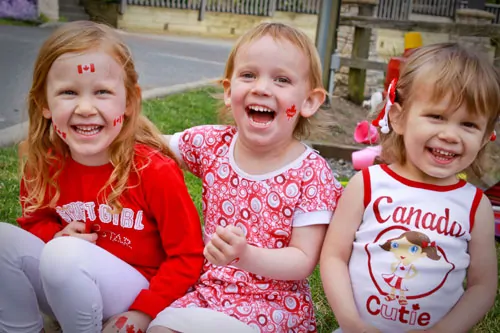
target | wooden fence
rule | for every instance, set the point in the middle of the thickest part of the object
(402, 9)
(387, 9)
(246, 7)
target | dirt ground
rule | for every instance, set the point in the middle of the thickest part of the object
(346, 115)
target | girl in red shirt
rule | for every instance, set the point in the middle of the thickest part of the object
(98, 172)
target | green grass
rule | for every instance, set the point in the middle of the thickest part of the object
(173, 114)
(178, 112)
(7, 21)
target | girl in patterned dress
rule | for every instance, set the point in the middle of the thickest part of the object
(435, 124)
(267, 197)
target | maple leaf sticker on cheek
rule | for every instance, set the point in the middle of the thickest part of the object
(118, 120)
(291, 111)
(86, 68)
(58, 131)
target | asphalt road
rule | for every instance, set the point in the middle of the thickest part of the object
(161, 61)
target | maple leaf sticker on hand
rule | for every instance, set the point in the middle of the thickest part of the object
(291, 111)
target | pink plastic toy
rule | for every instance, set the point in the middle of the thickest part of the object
(365, 157)
(365, 133)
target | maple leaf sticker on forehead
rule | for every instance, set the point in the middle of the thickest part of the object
(86, 68)
(291, 111)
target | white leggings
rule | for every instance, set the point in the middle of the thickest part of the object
(77, 282)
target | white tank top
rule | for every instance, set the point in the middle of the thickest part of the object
(410, 256)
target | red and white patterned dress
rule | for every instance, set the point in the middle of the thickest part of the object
(266, 207)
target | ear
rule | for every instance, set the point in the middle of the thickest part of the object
(396, 118)
(313, 102)
(226, 83)
(46, 113)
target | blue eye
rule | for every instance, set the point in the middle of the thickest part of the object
(413, 249)
(394, 245)
(283, 80)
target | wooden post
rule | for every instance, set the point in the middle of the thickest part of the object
(201, 13)
(496, 44)
(272, 8)
(360, 49)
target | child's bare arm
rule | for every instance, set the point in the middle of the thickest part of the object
(336, 253)
(167, 138)
(295, 262)
(481, 276)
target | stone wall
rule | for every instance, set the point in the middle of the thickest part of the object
(177, 21)
(473, 16)
(183, 21)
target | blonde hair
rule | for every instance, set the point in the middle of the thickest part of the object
(280, 31)
(450, 68)
(47, 152)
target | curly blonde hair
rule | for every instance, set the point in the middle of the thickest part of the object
(450, 68)
(321, 120)
(46, 152)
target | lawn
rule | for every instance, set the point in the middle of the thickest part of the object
(173, 114)
(8, 21)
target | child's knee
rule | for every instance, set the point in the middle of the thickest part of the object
(60, 260)
(10, 235)
(17, 243)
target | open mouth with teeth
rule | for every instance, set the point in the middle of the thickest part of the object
(260, 114)
(87, 130)
(442, 155)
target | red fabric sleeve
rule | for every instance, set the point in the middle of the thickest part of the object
(43, 223)
(180, 230)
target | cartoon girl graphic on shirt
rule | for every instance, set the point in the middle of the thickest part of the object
(407, 248)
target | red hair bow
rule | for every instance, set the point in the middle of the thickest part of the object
(382, 120)
(428, 244)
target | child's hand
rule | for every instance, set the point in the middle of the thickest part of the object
(77, 229)
(127, 322)
(226, 245)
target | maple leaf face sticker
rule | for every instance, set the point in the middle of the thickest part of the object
(118, 120)
(86, 68)
(61, 133)
(291, 111)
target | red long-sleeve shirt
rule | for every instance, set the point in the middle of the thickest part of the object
(158, 231)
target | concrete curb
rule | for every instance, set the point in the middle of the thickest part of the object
(14, 134)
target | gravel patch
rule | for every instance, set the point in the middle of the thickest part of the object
(342, 169)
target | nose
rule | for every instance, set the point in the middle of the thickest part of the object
(261, 87)
(449, 134)
(85, 107)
